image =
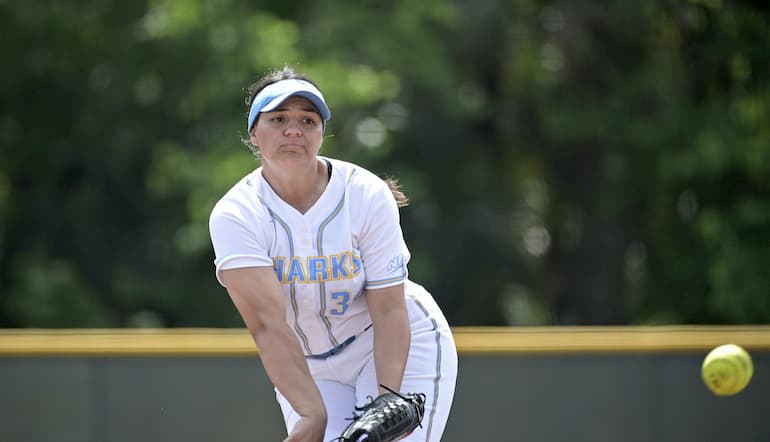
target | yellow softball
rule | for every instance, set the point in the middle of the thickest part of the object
(727, 370)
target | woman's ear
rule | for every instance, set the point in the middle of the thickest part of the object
(253, 136)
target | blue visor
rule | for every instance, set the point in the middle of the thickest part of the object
(276, 93)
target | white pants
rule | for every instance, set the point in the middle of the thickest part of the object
(348, 379)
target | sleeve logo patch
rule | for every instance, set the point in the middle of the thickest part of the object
(395, 264)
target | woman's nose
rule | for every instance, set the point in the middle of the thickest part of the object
(292, 128)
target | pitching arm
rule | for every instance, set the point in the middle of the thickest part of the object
(258, 297)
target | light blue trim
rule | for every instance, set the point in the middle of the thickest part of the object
(382, 282)
(292, 288)
(322, 284)
(437, 378)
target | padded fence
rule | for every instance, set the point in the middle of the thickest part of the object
(550, 384)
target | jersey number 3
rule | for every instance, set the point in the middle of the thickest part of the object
(341, 302)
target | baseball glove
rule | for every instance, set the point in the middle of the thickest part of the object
(389, 417)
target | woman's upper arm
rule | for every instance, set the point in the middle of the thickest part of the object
(257, 295)
(385, 300)
(381, 240)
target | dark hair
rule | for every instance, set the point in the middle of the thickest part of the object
(286, 73)
(401, 199)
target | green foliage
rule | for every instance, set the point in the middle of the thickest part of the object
(567, 164)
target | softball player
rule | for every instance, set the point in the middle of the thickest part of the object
(311, 252)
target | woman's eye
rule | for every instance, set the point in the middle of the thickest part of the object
(309, 121)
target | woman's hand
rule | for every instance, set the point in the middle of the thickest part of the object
(308, 429)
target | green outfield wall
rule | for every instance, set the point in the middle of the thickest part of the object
(555, 384)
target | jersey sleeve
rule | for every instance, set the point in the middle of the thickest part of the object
(240, 238)
(384, 253)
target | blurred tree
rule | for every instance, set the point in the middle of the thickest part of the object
(598, 163)
(707, 231)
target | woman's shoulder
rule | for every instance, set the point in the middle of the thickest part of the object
(356, 175)
(245, 196)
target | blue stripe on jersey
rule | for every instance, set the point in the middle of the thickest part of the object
(351, 173)
(322, 284)
(437, 378)
(381, 282)
(292, 289)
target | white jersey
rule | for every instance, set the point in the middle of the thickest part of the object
(349, 241)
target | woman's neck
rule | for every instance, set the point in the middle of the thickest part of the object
(300, 187)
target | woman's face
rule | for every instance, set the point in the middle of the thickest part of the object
(291, 132)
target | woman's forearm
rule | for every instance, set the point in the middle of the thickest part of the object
(285, 365)
(392, 335)
(391, 349)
